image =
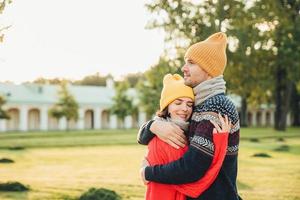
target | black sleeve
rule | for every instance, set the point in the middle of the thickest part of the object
(190, 168)
(194, 163)
(145, 135)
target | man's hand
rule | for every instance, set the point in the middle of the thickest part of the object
(145, 163)
(169, 133)
(225, 125)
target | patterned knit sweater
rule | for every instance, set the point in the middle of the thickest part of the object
(196, 161)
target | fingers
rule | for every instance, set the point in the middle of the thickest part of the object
(171, 134)
(174, 142)
(217, 127)
(178, 136)
(142, 174)
(215, 131)
(178, 131)
(225, 124)
(145, 162)
(226, 120)
(170, 142)
(221, 120)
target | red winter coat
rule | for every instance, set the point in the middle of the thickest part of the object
(160, 153)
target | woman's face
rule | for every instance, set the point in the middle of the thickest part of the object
(181, 108)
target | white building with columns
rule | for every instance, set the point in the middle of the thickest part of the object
(260, 116)
(28, 106)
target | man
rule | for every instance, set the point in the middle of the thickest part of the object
(205, 63)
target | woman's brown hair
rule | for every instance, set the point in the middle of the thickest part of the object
(163, 114)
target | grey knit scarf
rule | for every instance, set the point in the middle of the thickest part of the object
(182, 124)
(209, 88)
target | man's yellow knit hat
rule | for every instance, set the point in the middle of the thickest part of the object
(210, 54)
(173, 88)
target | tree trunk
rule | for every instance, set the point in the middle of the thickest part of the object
(244, 116)
(68, 128)
(122, 123)
(295, 106)
(283, 90)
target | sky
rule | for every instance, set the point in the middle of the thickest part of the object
(72, 39)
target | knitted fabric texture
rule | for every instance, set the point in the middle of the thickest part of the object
(173, 88)
(210, 54)
(209, 88)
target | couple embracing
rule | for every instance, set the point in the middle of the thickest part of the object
(193, 141)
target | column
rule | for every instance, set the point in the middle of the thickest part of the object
(288, 119)
(113, 121)
(254, 119)
(272, 117)
(24, 118)
(128, 121)
(2, 125)
(44, 118)
(62, 123)
(142, 118)
(80, 121)
(263, 118)
(97, 117)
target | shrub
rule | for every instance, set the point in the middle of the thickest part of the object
(254, 140)
(13, 186)
(16, 148)
(280, 139)
(282, 148)
(263, 155)
(99, 194)
(6, 160)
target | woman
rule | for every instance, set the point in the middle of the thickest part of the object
(176, 106)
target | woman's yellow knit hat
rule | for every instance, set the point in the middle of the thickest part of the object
(210, 54)
(173, 88)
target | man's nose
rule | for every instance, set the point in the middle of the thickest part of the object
(183, 68)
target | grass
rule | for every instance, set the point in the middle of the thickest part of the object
(67, 139)
(63, 165)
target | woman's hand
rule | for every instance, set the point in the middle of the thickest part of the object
(169, 133)
(225, 125)
(145, 163)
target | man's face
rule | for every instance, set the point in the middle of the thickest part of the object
(193, 73)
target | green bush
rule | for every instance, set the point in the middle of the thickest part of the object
(263, 155)
(282, 148)
(99, 194)
(6, 160)
(254, 140)
(280, 139)
(13, 187)
(16, 148)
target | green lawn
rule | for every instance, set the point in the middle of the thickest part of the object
(61, 165)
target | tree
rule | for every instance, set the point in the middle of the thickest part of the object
(66, 106)
(150, 89)
(122, 104)
(94, 79)
(3, 113)
(186, 23)
(3, 4)
(133, 78)
(281, 20)
(295, 106)
(265, 39)
(53, 81)
(248, 73)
